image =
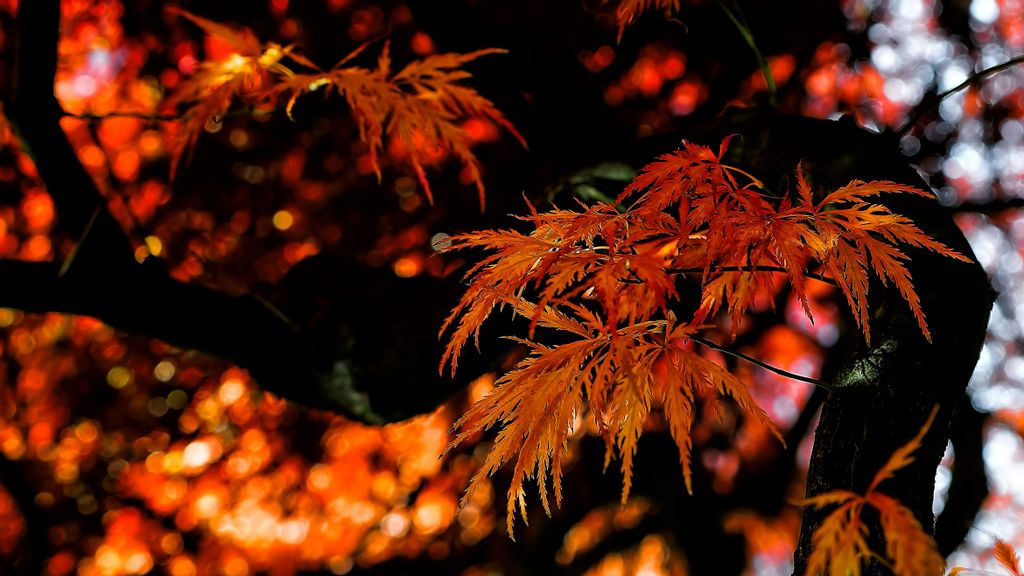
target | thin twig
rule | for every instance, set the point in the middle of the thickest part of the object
(748, 36)
(152, 117)
(70, 259)
(756, 362)
(124, 114)
(909, 124)
(776, 269)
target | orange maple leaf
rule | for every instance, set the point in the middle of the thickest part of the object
(248, 73)
(1007, 556)
(422, 106)
(1004, 553)
(856, 235)
(839, 545)
(732, 230)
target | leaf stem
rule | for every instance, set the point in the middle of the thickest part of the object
(748, 36)
(909, 124)
(776, 269)
(756, 362)
(753, 180)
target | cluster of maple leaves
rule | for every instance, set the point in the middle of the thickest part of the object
(607, 278)
(421, 106)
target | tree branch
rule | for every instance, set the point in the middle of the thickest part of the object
(35, 114)
(927, 107)
(989, 208)
(968, 487)
(359, 366)
(885, 391)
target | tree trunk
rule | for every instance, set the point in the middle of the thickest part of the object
(884, 392)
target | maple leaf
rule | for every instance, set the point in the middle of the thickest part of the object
(862, 235)
(839, 545)
(1007, 556)
(741, 227)
(1004, 553)
(248, 73)
(630, 10)
(422, 106)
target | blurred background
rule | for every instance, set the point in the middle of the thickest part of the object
(124, 455)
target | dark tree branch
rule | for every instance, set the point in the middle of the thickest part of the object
(35, 113)
(988, 208)
(355, 367)
(930, 104)
(103, 279)
(146, 301)
(969, 485)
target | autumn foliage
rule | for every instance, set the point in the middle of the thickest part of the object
(421, 105)
(608, 279)
(185, 466)
(841, 542)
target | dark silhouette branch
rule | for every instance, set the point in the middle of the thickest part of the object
(35, 114)
(348, 369)
(926, 107)
(989, 208)
(968, 487)
(884, 391)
